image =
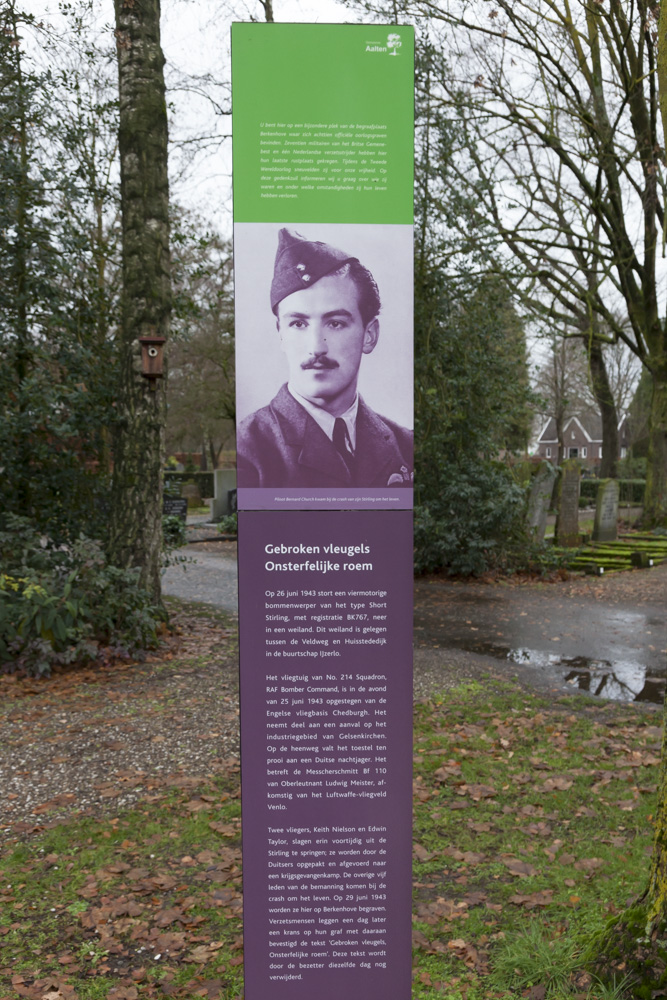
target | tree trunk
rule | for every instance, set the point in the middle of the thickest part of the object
(605, 400)
(661, 66)
(656, 893)
(135, 537)
(268, 10)
(560, 437)
(214, 453)
(655, 498)
(20, 274)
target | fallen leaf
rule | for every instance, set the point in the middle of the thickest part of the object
(589, 864)
(419, 940)
(421, 853)
(520, 868)
(224, 828)
(457, 943)
(533, 899)
(557, 784)
(478, 792)
(204, 952)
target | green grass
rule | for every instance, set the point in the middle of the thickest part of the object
(94, 896)
(532, 820)
(540, 785)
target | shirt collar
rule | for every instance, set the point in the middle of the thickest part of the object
(326, 421)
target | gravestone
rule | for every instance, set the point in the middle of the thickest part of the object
(224, 481)
(605, 528)
(567, 520)
(175, 507)
(540, 499)
(191, 493)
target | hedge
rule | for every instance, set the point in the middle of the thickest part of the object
(631, 490)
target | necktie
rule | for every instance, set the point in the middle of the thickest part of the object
(340, 440)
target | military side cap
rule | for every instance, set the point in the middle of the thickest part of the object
(300, 263)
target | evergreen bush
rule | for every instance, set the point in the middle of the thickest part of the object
(62, 603)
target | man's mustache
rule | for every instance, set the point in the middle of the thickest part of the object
(319, 361)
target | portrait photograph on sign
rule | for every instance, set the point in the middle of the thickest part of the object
(324, 355)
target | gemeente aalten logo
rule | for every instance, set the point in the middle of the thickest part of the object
(392, 45)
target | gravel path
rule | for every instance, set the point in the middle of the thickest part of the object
(606, 636)
(96, 740)
(211, 579)
(93, 741)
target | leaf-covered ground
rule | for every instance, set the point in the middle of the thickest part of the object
(532, 828)
(532, 825)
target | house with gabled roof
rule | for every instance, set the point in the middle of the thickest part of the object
(582, 439)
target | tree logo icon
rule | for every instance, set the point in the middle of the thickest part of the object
(394, 43)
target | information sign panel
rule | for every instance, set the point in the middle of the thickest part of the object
(323, 196)
(326, 696)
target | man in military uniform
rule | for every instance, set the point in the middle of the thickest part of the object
(317, 431)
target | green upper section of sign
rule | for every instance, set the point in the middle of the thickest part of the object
(323, 119)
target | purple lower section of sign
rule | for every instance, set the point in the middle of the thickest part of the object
(325, 603)
(369, 498)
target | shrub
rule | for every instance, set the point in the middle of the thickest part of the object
(173, 533)
(473, 522)
(173, 537)
(228, 524)
(59, 603)
(472, 403)
(632, 468)
(632, 491)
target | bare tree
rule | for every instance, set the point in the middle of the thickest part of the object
(558, 100)
(624, 371)
(563, 386)
(567, 99)
(201, 361)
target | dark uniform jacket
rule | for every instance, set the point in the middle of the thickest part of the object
(282, 446)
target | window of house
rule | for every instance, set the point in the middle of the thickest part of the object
(574, 453)
(600, 452)
(548, 452)
(584, 452)
(624, 452)
(573, 435)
